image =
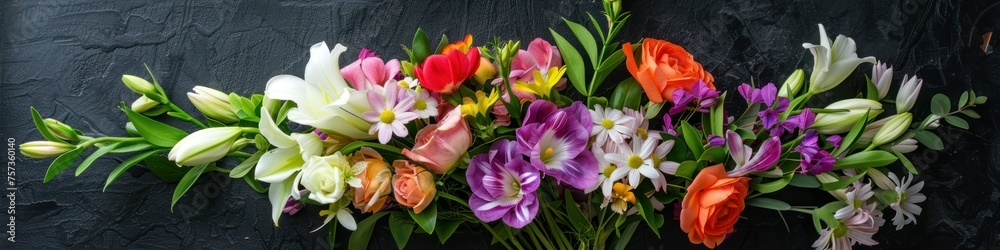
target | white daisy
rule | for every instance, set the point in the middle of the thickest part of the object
(610, 124)
(635, 161)
(389, 114)
(906, 204)
(423, 104)
(606, 179)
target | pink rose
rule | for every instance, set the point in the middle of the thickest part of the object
(412, 186)
(440, 145)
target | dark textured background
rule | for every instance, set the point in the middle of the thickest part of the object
(66, 57)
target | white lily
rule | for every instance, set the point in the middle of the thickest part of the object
(325, 100)
(213, 104)
(833, 63)
(280, 166)
(881, 77)
(204, 146)
(908, 92)
(840, 122)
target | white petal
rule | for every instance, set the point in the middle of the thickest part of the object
(278, 194)
(278, 164)
(346, 220)
(271, 131)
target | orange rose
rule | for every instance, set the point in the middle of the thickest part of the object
(664, 67)
(712, 206)
(413, 186)
(375, 181)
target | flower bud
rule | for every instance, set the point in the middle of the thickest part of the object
(892, 129)
(793, 84)
(881, 77)
(204, 146)
(905, 146)
(61, 130)
(485, 72)
(840, 122)
(872, 128)
(44, 149)
(880, 179)
(213, 104)
(908, 92)
(143, 104)
(138, 85)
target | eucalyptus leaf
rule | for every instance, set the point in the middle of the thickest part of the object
(929, 139)
(957, 122)
(940, 104)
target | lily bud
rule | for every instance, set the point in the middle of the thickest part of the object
(61, 130)
(45, 149)
(213, 103)
(872, 128)
(204, 146)
(793, 84)
(905, 146)
(138, 85)
(840, 122)
(485, 72)
(892, 129)
(143, 104)
(880, 179)
(908, 92)
(830, 69)
(881, 77)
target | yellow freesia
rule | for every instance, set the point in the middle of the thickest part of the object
(542, 87)
(481, 105)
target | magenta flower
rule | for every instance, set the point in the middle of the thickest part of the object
(801, 121)
(814, 159)
(746, 161)
(700, 95)
(556, 142)
(768, 95)
(369, 71)
(507, 186)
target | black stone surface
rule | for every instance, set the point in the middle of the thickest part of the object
(65, 58)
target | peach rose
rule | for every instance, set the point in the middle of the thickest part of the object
(664, 67)
(712, 206)
(375, 181)
(440, 145)
(413, 186)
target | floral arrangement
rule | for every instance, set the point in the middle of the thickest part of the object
(519, 140)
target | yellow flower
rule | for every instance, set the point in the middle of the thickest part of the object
(481, 105)
(621, 196)
(543, 85)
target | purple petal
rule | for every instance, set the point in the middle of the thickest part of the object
(538, 111)
(768, 154)
(747, 92)
(768, 93)
(835, 139)
(580, 172)
(716, 141)
(736, 148)
(487, 215)
(522, 214)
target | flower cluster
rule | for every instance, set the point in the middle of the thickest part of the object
(480, 133)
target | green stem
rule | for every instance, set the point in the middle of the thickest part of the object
(239, 154)
(190, 118)
(495, 234)
(103, 139)
(800, 210)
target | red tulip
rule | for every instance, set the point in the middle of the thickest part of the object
(444, 73)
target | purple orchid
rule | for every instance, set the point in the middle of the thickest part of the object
(556, 140)
(835, 140)
(668, 125)
(507, 187)
(746, 161)
(716, 141)
(768, 95)
(814, 159)
(700, 95)
(801, 121)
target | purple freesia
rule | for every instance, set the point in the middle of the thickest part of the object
(801, 121)
(504, 186)
(746, 161)
(814, 159)
(700, 95)
(555, 141)
(835, 140)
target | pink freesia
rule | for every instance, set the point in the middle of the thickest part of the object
(369, 70)
(440, 145)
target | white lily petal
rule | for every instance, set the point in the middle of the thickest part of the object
(278, 194)
(271, 131)
(278, 164)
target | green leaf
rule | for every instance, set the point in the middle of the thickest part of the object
(686, 169)
(361, 236)
(769, 203)
(852, 136)
(167, 170)
(154, 132)
(446, 228)
(129, 147)
(401, 227)
(594, 100)
(804, 181)
(421, 50)
(628, 94)
(186, 182)
(606, 67)
(872, 90)
(749, 116)
(692, 138)
(825, 213)
(864, 160)
(929, 139)
(718, 115)
(653, 219)
(586, 40)
(354, 146)
(443, 43)
(427, 219)
(250, 180)
(246, 165)
(964, 99)
(714, 154)
(573, 61)
(64, 161)
(773, 186)
(940, 104)
(971, 113)
(957, 122)
(93, 157)
(906, 162)
(842, 182)
(981, 99)
(332, 236)
(125, 165)
(576, 218)
(624, 239)
(42, 129)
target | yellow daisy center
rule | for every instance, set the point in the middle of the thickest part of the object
(387, 116)
(634, 161)
(420, 104)
(607, 123)
(608, 170)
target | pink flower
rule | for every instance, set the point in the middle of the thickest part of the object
(540, 56)
(440, 145)
(369, 71)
